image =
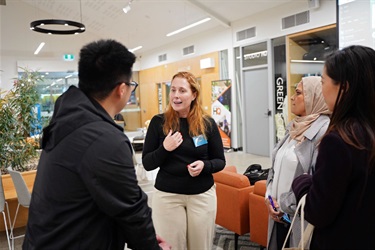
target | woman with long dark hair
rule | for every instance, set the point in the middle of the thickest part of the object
(340, 195)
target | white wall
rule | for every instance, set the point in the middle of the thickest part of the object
(215, 40)
(268, 26)
(268, 23)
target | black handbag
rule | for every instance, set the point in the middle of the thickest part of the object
(255, 173)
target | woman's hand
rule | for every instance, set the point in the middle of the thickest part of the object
(195, 168)
(275, 215)
(171, 142)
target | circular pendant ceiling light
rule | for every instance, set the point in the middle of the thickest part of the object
(75, 27)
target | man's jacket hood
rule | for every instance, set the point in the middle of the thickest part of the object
(73, 109)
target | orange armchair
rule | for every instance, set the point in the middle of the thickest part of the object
(232, 191)
(258, 214)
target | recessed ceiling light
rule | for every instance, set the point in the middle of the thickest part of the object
(39, 48)
(189, 26)
(136, 48)
(127, 8)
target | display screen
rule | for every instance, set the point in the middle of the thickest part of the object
(356, 22)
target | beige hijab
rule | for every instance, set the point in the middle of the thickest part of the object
(314, 106)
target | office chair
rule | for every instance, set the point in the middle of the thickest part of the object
(23, 196)
(3, 205)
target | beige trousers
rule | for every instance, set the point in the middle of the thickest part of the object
(185, 221)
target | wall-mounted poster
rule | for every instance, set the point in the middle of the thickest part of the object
(221, 109)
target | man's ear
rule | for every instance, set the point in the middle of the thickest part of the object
(120, 89)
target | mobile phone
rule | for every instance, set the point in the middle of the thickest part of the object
(272, 204)
(285, 219)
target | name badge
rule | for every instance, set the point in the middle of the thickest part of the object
(199, 140)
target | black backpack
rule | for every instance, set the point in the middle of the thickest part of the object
(255, 173)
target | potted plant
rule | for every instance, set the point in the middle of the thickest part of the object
(17, 148)
(17, 120)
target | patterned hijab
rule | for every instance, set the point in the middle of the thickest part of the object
(314, 106)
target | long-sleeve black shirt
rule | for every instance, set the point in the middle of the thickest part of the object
(173, 175)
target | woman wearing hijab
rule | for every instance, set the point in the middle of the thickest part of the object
(294, 155)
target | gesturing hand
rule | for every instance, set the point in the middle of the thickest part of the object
(171, 142)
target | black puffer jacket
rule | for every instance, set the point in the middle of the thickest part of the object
(85, 194)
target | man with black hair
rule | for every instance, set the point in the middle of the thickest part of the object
(86, 194)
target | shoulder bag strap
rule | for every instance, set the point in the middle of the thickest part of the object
(305, 233)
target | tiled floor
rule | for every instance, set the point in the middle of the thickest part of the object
(239, 159)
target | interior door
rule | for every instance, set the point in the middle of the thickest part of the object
(257, 114)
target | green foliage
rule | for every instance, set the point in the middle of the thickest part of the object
(16, 117)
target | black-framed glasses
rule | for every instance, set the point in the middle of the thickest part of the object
(133, 85)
